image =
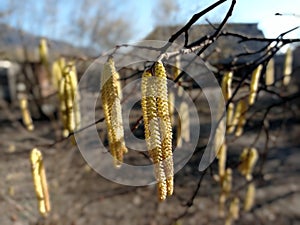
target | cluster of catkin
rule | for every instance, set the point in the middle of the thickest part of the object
(65, 79)
(40, 181)
(158, 127)
(111, 102)
(236, 115)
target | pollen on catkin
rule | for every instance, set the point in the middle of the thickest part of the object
(165, 125)
(152, 132)
(158, 127)
(254, 84)
(111, 102)
(40, 181)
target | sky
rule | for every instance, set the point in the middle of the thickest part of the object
(141, 14)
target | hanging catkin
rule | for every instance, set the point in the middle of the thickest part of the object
(69, 100)
(183, 124)
(242, 118)
(152, 131)
(40, 181)
(165, 123)
(57, 71)
(158, 128)
(111, 102)
(254, 84)
(238, 119)
(248, 160)
(229, 118)
(226, 85)
(269, 77)
(176, 68)
(288, 67)
(250, 197)
(44, 56)
(226, 186)
(222, 156)
(234, 209)
(26, 117)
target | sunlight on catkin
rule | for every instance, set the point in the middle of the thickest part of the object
(111, 102)
(226, 85)
(26, 117)
(152, 133)
(254, 84)
(165, 125)
(40, 181)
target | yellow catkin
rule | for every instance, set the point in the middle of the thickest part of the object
(269, 77)
(176, 68)
(239, 118)
(56, 74)
(220, 129)
(69, 100)
(75, 94)
(40, 181)
(288, 67)
(184, 124)
(226, 85)
(58, 67)
(111, 102)
(171, 98)
(254, 84)
(62, 106)
(229, 118)
(26, 117)
(248, 160)
(152, 132)
(226, 186)
(43, 52)
(250, 197)
(222, 156)
(44, 56)
(234, 209)
(165, 123)
(242, 118)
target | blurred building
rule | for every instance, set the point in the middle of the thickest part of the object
(224, 50)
